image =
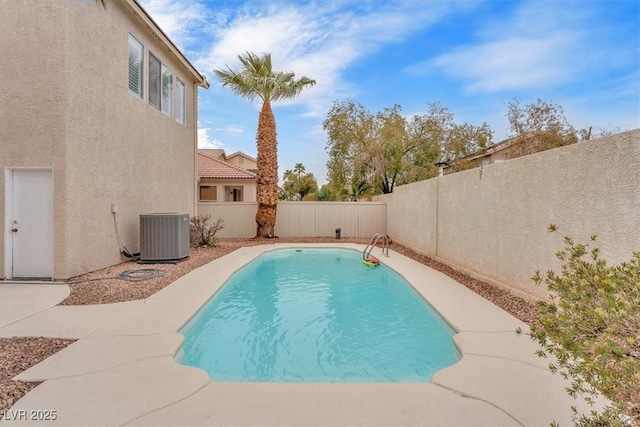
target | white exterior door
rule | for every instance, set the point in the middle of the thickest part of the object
(30, 223)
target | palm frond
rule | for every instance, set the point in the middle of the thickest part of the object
(256, 78)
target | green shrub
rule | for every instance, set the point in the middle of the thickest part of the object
(203, 234)
(592, 327)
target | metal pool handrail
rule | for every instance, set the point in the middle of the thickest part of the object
(372, 243)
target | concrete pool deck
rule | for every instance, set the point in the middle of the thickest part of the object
(121, 371)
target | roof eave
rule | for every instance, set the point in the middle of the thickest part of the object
(240, 153)
(200, 79)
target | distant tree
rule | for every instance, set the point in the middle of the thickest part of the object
(358, 190)
(368, 152)
(388, 156)
(426, 132)
(464, 140)
(298, 184)
(325, 194)
(540, 126)
(456, 141)
(593, 132)
(350, 128)
(257, 79)
(388, 149)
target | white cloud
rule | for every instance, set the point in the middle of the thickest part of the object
(515, 63)
(315, 132)
(205, 141)
(232, 130)
(539, 44)
(296, 42)
(318, 40)
(181, 20)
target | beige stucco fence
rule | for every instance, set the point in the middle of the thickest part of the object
(492, 221)
(302, 219)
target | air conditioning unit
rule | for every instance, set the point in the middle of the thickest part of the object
(164, 237)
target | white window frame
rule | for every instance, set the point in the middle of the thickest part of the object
(135, 46)
(232, 192)
(181, 110)
(160, 81)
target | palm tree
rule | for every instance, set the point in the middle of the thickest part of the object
(257, 79)
(299, 169)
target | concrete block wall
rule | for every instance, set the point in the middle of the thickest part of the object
(492, 222)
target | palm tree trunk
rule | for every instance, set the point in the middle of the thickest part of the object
(267, 180)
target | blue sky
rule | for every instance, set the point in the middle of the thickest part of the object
(471, 55)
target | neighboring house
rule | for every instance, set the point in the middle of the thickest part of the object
(221, 181)
(243, 160)
(494, 154)
(215, 153)
(98, 125)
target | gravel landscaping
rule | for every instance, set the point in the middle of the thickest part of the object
(105, 286)
(19, 354)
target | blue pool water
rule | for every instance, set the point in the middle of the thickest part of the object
(317, 315)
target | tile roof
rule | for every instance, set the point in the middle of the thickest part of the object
(209, 167)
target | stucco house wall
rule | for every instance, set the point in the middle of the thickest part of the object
(248, 188)
(68, 107)
(243, 161)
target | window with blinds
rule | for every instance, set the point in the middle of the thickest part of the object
(160, 86)
(208, 193)
(180, 101)
(136, 56)
(154, 81)
(160, 82)
(167, 91)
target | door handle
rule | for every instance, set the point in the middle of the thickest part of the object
(15, 230)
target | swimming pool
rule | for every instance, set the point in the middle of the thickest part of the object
(317, 315)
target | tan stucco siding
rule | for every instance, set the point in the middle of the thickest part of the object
(242, 162)
(122, 150)
(248, 187)
(412, 210)
(34, 94)
(106, 146)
